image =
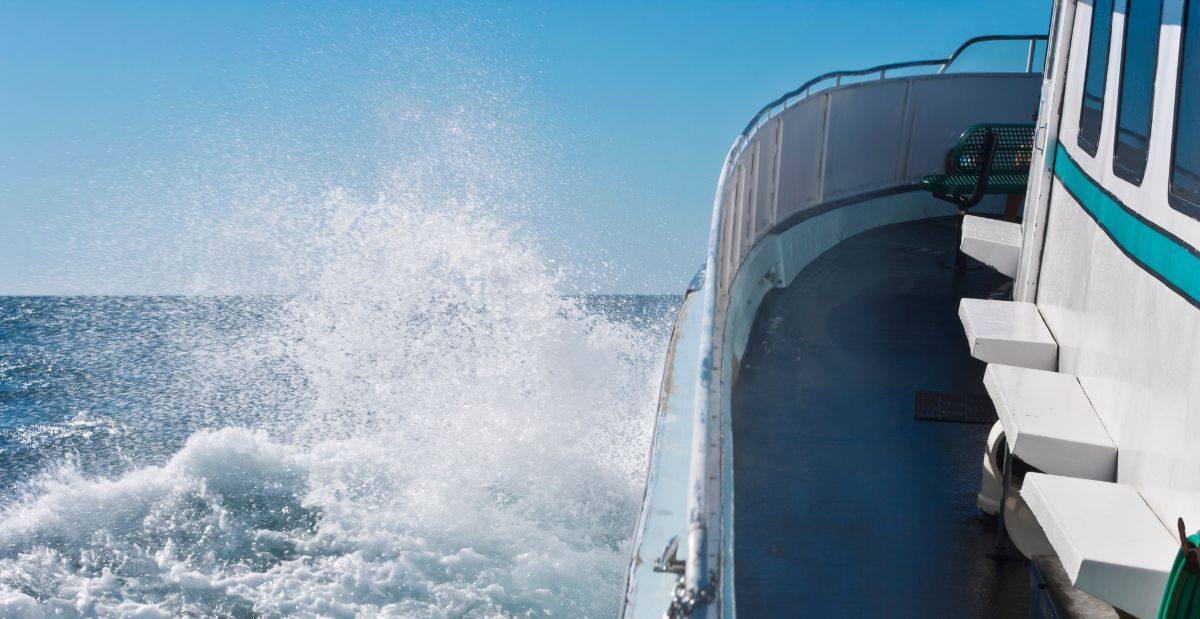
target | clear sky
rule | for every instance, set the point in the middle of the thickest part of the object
(138, 140)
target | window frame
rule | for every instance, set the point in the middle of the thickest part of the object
(1084, 144)
(1179, 202)
(1123, 173)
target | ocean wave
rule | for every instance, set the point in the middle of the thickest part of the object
(470, 444)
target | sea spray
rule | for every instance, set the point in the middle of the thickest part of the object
(463, 441)
(420, 422)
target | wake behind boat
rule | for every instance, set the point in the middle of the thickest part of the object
(942, 358)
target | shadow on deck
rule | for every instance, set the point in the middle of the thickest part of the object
(845, 505)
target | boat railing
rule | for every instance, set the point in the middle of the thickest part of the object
(835, 78)
(707, 493)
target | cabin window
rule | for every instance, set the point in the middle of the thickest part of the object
(1092, 109)
(1185, 156)
(1139, 59)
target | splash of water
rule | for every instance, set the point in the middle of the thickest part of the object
(424, 427)
(462, 441)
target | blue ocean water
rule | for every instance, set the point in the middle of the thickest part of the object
(105, 383)
(444, 453)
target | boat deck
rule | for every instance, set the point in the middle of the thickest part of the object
(844, 504)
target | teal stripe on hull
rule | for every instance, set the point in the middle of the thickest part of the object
(1157, 251)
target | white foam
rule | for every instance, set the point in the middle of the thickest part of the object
(19, 606)
(439, 432)
(473, 445)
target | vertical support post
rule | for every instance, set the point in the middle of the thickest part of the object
(1001, 549)
(960, 258)
(1029, 56)
(838, 80)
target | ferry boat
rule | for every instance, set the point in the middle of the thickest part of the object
(943, 356)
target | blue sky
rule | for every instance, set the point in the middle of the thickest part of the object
(134, 135)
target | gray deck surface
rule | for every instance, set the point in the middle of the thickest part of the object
(844, 504)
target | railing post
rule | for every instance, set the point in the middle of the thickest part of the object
(1029, 57)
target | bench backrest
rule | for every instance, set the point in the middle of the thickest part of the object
(1014, 148)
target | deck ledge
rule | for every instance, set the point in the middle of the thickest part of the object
(1110, 542)
(1050, 423)
(1008, 332)
(994, 242)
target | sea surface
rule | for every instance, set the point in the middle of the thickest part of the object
(465, 443)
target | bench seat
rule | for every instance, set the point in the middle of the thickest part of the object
(998, 183)
(994, 242)
(988, 158)
(1110, 542)
(1049, 422)
(1008, 332)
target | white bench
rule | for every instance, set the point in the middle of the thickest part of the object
(1050, 423)
(1110, 542)
(1008, 332)
(993, 242)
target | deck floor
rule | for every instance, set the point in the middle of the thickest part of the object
(844, 504)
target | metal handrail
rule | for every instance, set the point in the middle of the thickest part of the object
(696, 584)
(942, 63)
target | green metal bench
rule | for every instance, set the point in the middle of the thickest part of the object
(989, 158)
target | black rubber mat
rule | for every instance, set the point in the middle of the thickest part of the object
(954, 407)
